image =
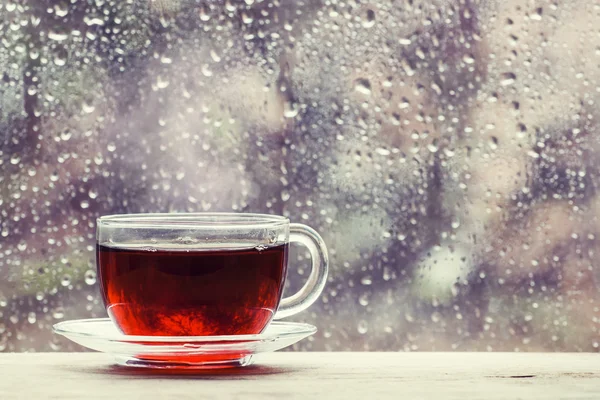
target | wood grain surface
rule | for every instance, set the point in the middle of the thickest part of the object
(370, 376)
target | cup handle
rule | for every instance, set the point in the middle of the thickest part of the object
(312, 289)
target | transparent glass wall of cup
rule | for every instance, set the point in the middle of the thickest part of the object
(202, 274)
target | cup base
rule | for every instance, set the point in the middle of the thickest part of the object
(176, 365)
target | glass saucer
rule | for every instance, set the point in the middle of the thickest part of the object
(181, 351)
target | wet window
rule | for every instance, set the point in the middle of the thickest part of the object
(446, 150)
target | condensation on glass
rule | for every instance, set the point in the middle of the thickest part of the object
(448, 151)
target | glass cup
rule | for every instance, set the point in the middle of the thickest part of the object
(202, 274)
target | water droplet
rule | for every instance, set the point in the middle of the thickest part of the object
(290, 109)
(58, 36)
(247, 18)
(432, 147)
(60, 58)
(508, 78)
(15, 159)
(31, 317)
(204, 15)
(369, 20)
(537, 15)
(363, 299)
(84, 204)
(65, 135)
(366, 280)
(61, 9)
(90, 21)
(88, 108)
(66, 280)
(206, 71)
(161, 83)
(215, 56)
(362, 327)
(362, 86)
(230, 6)
(58, 313)
(493, 143)
(90, 277)
(92, 193)
(387, 273)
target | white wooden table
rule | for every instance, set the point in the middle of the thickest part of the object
(369, 376)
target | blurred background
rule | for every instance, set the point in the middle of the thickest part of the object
(447, 150)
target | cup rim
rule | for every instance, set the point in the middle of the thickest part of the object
(192, 220)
